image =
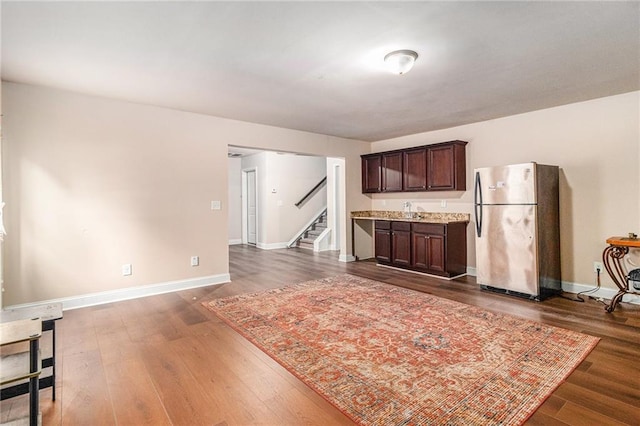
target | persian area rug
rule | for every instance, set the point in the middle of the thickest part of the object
(385, 355)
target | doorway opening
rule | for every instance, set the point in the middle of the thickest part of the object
(265, 188)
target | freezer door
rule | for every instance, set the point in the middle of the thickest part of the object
(506, 253)
(513, 184)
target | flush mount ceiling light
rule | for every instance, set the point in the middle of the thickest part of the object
(400, 61)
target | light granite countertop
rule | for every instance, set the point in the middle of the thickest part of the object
(426, 217)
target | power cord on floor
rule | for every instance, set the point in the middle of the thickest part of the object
(589, 292)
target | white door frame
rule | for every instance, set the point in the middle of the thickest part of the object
(336, 203)
(337, 206)
(245, 201)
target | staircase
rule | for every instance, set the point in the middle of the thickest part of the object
(312, 232)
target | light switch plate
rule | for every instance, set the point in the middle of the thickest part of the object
(216, 205)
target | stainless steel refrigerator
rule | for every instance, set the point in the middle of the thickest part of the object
(518, 229)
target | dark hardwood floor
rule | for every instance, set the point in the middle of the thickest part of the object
(167, 360)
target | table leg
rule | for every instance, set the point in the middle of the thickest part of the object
(53, 367)
(33, 384)
(612, 258)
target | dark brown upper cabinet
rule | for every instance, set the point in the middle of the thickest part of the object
(372, 173)
(415, 170)
(437, 167)
(392, 172)
(446, 168)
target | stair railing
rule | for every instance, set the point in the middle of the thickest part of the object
(313, 191)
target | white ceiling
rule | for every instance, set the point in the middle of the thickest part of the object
(315, 66)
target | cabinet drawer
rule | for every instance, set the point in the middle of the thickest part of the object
(401, 226)
(430, 228)
(382, 224)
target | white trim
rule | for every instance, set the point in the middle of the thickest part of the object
(346, 258)
(319, 244)
(236, 241)
(333, 218)
(603, 292)
(569, 287)
(245, 214)
(271, 246)
(92, 299)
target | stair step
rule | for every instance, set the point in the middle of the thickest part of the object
(313, 232)
(304, 245)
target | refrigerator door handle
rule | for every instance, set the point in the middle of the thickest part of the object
(477, 201)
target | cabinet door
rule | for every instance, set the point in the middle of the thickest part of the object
(414, 174)
(383, 245)
(401, 248)
(392, 172)
(446, 167)
(428, 252)
(441, 168)
(372, 173)
(419, 251)
(436, 254)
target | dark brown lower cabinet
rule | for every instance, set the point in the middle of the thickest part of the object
(383, 241)
(429, 247)
(401, 243)
(434, 248)
(428, 252)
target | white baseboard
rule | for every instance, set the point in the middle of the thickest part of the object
(92, 299)
(569, 287)
(236, 241)
(603, 292)
(346, 258)
(271, 246)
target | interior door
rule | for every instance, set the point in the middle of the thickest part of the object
(251, 208)
(506, 253)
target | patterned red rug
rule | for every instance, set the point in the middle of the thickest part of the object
(385, 355)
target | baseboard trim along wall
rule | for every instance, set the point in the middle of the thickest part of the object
(569, 287)
(271, 246)
(602, 292)
(93, 299)
(234, 242)
(346, 258)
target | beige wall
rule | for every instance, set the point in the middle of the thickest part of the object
(291, 176)
(92, 183)
(595, 143)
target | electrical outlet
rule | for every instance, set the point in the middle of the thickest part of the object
(195, 260)
(598, 267)
(126, 269)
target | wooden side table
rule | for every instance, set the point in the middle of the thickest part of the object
(48, 314)
(22, 365)
(612, 257)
